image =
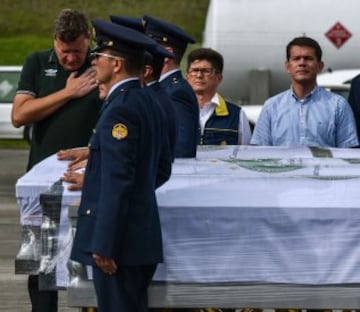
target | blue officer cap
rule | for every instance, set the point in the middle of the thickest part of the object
(159, 51)
(116, 37)
(131, 22)
(157, 54)
(166, 33)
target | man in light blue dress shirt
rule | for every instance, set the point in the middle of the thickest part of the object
(305, 115)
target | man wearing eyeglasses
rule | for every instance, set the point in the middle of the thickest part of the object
(118, 229)
(221, 122)
(57, 94)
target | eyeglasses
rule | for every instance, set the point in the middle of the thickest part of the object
(96, 55)
(203, 71)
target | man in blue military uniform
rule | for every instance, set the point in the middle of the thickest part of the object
(175, 40)
(154, 62)
(118, 229)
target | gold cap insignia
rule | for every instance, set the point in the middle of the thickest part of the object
(119, 131)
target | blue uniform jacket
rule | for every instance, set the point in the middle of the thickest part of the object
(169, 109)
(129, 157)
(187, 114)
(222, 128)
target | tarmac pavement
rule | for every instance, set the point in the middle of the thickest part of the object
(13, 288)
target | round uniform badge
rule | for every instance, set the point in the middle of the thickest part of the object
(119, 131)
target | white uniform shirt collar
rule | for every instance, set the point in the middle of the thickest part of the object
(151, 83)
(164, 76)
(119, 84)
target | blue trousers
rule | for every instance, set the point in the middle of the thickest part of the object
(124, 291)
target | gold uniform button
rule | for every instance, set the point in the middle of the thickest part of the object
(88, 211)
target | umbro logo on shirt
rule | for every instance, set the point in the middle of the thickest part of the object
(50, 72)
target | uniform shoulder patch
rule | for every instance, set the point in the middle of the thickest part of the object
(119, 131)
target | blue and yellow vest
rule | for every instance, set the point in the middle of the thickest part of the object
(222, 128)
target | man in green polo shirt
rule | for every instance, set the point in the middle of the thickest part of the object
(57, 92)
(58, 95)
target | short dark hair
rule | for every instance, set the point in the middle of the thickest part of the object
(70, 24)
(134, 61)
(210, 55)
(304, 42)
(157, 63)
(178, 53)
(157, 68)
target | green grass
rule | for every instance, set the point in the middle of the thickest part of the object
(14, 49)
(26, 25)
(14, 144)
